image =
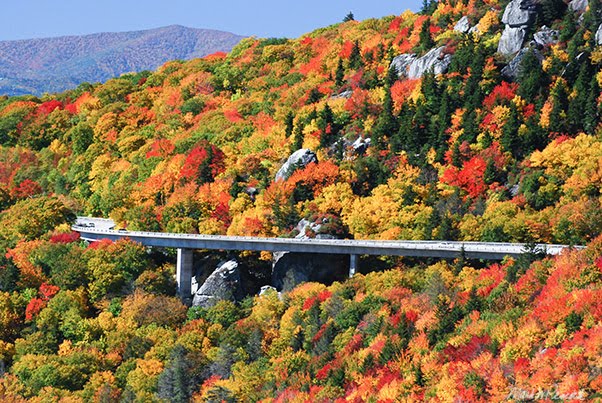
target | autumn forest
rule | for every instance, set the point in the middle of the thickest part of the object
(421, 126)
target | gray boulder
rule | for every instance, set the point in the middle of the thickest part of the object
(512, 40)
(545, 36)
(474, 30)
(345, 94)
(462, 25)
(519, 13)
(578, 6)
(410, 66)
(434, 61)
(599, 35)
(512, 70)
(402, 63)
(223, 284)
(299, 159)
(304, 226)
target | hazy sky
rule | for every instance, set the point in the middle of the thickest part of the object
(25, 19)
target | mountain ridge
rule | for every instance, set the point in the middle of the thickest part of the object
(35, 66)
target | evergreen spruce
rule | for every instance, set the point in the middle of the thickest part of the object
(289, 124)
(355, 58)
(340, 74)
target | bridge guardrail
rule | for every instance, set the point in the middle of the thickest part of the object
(430, 245)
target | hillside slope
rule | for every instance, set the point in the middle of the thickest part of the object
(55, 64)
(473, 120)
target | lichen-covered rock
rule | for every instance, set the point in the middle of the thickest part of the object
(223, 284)
(545, 36)
(462, 25)
(299, 159)
(520, 13)
(412, 67)
(512, 70)
(578, 6)
(402, 62)
(599, 35)
(435, 61)
(512, 40)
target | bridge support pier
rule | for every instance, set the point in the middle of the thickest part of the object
(184, 273)
(352, 265)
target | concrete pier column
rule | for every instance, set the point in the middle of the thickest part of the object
(352, 265)
(184, 273)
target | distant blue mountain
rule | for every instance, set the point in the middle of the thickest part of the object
(36, 66)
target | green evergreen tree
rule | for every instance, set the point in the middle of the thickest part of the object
(509, 139)
(386, 124)
(289, 124)
(327, 126)
(578, 105)
(592, 108)
(340, 74)
(426, 41)
(560, 102)
(355, 58)
(175, 383)
(298, 137)
(531, 77)
(551, 10)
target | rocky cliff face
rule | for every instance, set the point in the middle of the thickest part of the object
(518, 18)
(410, 66)
(292, 269)
(223, 284)
(545, 36)
(299, 159)
(512, 70)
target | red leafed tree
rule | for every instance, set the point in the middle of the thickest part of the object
(48, 291)
(26, 189)
(469, 178)
(203, 163)
(161, 148)
(65, 237)
(47, 107)
(502, 92)
(33, 308)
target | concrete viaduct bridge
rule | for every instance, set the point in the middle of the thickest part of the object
(94, 229)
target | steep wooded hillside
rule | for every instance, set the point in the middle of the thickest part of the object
(475, 120)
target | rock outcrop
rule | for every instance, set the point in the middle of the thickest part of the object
(292, 269)
(223, 284)
(299, 159)
(402, 63)
(578, 6)
(412, 67)
(462, 25)
(512, 70)
(360, 145)
(545, 36)
(512, 40)
(518, 17)
(519, 13)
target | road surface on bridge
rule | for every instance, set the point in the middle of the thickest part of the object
(94, 229)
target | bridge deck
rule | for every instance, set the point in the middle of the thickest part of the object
(444, 249)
